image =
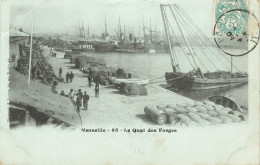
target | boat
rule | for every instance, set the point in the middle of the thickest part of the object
(196, 79)
(129, 81)
(230, 102)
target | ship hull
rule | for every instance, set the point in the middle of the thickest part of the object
(182, 81)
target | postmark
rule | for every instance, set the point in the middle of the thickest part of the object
(236, 29)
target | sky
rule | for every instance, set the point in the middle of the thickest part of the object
(62, 16)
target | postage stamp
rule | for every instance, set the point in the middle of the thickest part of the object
(235, 27)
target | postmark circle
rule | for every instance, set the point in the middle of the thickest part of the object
(231, 32)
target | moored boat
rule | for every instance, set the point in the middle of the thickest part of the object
(230, 102)
(196, 79)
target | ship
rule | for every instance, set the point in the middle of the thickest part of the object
(196, 79)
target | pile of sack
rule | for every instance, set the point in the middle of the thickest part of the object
(194, 113)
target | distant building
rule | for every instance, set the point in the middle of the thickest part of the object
(18, 40)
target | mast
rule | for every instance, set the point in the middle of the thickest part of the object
(88, 29)
(186, 41)
(151, 35)
(231, 64)
(143, 28)
(105, 26)
(30, 57)
(168, 38)
(119, 29)
(79, 30)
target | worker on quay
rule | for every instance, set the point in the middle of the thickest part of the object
(67, 77)
(71, 76)
(62, 93)
(85, 100)
(90, 78)
(60, 71)
(78, 102)
(80, 94)
(97, 90)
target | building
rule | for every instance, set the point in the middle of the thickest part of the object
(17, 46)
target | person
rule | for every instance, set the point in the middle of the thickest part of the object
(85, 100)
(60, 71)
(55, 83)
(71, 76)
(62, 93)
(67, 77)
(78, 103)
(80, 94)
(90, 71)
(97, 90)
(71, 95)
(90, 80)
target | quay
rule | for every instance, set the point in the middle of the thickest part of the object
(38, 100)
(112, 107)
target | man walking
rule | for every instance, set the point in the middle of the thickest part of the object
(67, 77)
(97, 90)
(60, 71)
(85, 100)
(90, 80)
(71, 76)
(80, 94)
(78, 103)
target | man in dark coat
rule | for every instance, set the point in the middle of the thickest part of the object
(62, 93)
(78, 103)
(90, 80)
(85, 100)
(80, 94)
(71, 76)
(67, 77)
(60, 71)
(97, 90)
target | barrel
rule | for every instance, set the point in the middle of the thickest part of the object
(170, 114)
(156, 115)
(147, 109)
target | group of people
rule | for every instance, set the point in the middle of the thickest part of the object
(69, 75)
(96, 79)
(78, 98)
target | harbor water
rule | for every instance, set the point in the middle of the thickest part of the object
(154, 65)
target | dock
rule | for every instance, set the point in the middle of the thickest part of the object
(112, 107)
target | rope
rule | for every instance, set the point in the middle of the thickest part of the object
(167, 29)
(182, 23)
(190, 31)
(189, 20)
(221, 53)
(179, 43)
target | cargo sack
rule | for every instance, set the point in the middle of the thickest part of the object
(133, 89)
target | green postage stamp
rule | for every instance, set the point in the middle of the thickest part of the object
(232, 19)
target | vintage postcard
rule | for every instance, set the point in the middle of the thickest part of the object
(129, 82)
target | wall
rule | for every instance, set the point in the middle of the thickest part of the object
(14, 50)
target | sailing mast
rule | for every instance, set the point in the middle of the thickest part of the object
(88, 29)
(30, 57)
(166, 28)
(186, 41)
(105, 26)
(151, 35)
(119, 29)
(143, 28)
